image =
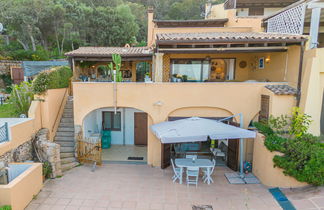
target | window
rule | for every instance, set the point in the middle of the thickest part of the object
(111, 121)
(256, 11)
(190, 70)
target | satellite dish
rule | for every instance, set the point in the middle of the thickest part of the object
(1, 27)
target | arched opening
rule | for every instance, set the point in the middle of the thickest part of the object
(123, 133)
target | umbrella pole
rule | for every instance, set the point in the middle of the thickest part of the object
(241, 148)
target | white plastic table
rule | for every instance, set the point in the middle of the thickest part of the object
(201, 163)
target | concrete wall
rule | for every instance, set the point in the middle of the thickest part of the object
(264, 170)
(52, 107)
(160, 100)
(312, 87)
(22, 189)
(42, 114)
(92, 123)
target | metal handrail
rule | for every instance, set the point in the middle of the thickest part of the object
(59, 110)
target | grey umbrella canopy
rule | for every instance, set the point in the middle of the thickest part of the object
(197, 129)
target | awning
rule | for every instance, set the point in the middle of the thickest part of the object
(197, 129)
(31, 68)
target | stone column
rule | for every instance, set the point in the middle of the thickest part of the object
(158, 67)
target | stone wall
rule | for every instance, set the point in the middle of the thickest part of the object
(6, 64)
(21, 154)
(48, 151)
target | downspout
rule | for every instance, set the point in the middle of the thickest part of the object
(300, 73)
(124, 132)
(115, 92)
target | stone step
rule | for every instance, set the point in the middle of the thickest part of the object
(65, 129)
(69, 166)
(69, 106)
(67, 120)
(66, 154)
(67, 149)
(64, 138)
(65, 133)
(66, 143)
(66, 125)
(68, 160)
(67, 115)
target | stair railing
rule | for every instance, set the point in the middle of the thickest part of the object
(60, 112)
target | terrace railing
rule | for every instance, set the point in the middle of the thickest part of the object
(4, 133)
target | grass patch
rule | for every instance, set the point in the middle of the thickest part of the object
(7, 111)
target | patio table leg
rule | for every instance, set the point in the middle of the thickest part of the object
(209, 179)
(181, 172)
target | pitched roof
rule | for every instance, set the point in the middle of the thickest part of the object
(282, 89)
(190, 23)
(108, 51)
(228, 37)
(233, 4)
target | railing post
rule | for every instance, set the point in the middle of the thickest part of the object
(7, 131)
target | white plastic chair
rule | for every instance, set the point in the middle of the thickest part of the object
(191, 156)
(177, 172)
(192, 175)
(205, 172)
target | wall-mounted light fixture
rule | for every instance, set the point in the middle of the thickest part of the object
(158, 103)
(268, 59)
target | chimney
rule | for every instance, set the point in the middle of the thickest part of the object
(150, 26)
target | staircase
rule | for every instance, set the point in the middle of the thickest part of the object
(65, 137)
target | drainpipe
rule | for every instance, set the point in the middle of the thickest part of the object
(115, 92)
(124, 132)
(300, 73)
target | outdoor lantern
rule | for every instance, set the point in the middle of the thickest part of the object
(267, 60)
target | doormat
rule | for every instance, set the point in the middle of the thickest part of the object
(281, 199)
(235, 178)
(135, 158)
(202, 207)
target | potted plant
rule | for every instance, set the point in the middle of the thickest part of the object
(147, 77)
(184, 78)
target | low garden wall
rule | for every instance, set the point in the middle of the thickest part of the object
(19, 192)
(263, 167)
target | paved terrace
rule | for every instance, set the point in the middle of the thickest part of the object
(142, 187)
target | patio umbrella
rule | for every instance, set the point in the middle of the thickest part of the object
(197, 129)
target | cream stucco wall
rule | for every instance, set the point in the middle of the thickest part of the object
(160, 100)
(19, 192)
(52, 107)
(265, 171)
(312, 87)
(44, 113)
(281, 68)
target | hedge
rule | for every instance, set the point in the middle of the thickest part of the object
(303, 157)
(58, 77)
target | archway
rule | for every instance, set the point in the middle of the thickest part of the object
(124, 133)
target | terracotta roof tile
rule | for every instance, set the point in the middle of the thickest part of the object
(228, 37)
(108, 51)
(282, 89)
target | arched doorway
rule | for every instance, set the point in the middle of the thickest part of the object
(123, 132)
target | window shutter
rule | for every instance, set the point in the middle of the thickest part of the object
(265, 104)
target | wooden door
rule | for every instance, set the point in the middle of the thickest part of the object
(140, 128)
(264, 112)
(233, 153)
(17, 75)
(165, 155)
(233, 150)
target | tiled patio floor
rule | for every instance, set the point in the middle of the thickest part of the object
(306, 198)
(143, 187)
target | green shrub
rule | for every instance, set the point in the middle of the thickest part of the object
(21, 97)
(47, 169)
(6, 78)
(303, 153)
(58, 77)
(5, 207)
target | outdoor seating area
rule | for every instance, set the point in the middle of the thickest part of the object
(192, 167)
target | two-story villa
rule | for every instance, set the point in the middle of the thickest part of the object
(201, 68)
